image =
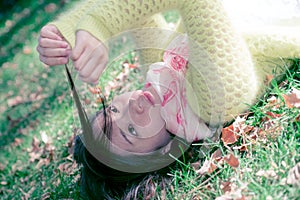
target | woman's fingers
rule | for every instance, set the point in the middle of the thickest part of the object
(52, 47)
(94, 77)
(54, 52)
(51, 61)
(50, 43)
(79, 56)
(89, 57)
(93, 68)
(51, 32)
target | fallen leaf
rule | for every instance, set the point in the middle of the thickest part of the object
(27, 50)
(196, 165)
(2, 167)
(224, 197)
(44, 137)
(217, 155)
(67, 167)
(15, 101)
(17, 142)
(293, 99)
(232, 160)
(42, 162)
(8, 23)
(209, 166)
(27, 195)
(272, 101)
(50, 8)
(35, 145)
(268, 79)
(99, 100)
(33, 156)
(95, 90)
(294, 175)
(269, 198)
(228, 135)
(71, 144)
(46, 196)
(270, 173)
(297, 118)
(212, 168)
(226, 186)
(129, 65)
(205, 168)
(273, 115)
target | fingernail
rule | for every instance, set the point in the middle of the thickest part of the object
(65, 45)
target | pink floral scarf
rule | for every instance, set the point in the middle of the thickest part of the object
(168, 79)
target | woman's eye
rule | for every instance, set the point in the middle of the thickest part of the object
(131, 130)
(113, 109)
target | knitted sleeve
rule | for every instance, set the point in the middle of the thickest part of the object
(109, 18)
(221, 72)
(67, 22)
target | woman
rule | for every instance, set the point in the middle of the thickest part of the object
(223, 79)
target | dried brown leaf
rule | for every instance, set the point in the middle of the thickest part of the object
(232, 160)
(229, 136)
(67, 167)
(268, 79)
(294, 175)
(217, 155)
(297, 118)
(292, 100)
(212, 168)
(17, 142)
(270, 173)
(15, 101)
(27, 50)
(226, 186)
(272, 101)
(35, 145)
(50, 8)
(207, 168)
(71, 144)
(42, 162)
(2, 167)
(273, 115)
(95, 90)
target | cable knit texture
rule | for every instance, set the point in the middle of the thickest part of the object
(222, 73)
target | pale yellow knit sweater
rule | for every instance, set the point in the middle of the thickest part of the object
(223, 77)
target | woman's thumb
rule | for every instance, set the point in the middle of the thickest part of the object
(77, 50)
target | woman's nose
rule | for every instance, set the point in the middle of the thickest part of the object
(136, 106)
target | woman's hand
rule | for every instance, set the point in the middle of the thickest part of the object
(52, 47)
(89, 57)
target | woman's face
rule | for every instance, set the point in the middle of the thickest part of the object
(137, 125)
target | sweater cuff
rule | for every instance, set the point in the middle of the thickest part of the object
(67, 31)
(96, 28)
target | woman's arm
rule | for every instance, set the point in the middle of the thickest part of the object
(67, 22)
(221, 72)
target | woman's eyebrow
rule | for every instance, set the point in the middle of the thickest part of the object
(125, 137)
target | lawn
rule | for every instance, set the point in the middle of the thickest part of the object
(38, 123)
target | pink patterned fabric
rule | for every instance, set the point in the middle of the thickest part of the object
(168, 78)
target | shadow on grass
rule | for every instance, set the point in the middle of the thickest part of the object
(26, 20)
(27, 115)
(19, 24)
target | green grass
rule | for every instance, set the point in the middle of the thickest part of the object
(35, 132)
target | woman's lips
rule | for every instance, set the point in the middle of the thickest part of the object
(149, 97)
